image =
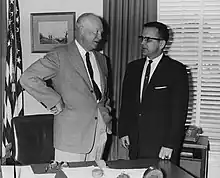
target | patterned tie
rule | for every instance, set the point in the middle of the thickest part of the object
(95, 86)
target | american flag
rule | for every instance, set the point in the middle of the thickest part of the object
(13, 94)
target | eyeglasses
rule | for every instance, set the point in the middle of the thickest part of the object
(148, 39)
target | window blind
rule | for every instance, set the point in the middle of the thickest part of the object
(195, 32)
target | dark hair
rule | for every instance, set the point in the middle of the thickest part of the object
(162, 29)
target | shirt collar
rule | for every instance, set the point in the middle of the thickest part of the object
(157, 59)
(82, 51)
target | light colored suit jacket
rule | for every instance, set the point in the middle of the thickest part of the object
(75, 126)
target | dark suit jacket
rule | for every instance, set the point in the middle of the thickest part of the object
(160, 118)
(75, 126)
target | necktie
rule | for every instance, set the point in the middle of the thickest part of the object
(95, 86)
(147, 74)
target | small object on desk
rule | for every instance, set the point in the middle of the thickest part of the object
(123, 175)
(97, 173)
(101, 164)
(153, 172)
(56, 166)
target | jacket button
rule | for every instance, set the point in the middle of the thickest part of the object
(96, 118)
(139, 114)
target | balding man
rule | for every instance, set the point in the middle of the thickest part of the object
(78, 97)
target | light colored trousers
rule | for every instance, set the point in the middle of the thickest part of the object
(96, 152)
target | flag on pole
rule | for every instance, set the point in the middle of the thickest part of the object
(13, 94)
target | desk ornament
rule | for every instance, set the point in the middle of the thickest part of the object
(123, 175)
(153, 172)
(55, 166)
(97, 173)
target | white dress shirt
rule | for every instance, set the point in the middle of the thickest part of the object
(153, 67)
(93, 63)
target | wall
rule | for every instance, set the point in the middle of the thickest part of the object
(38, 6)
(214, 166)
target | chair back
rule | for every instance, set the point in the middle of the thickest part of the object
(33, 139)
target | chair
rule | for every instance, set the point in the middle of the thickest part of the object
(32, 137)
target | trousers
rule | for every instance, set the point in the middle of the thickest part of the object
(97, 150)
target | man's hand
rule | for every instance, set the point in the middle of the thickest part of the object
(57, 108)
(165, 153)
(125, 141)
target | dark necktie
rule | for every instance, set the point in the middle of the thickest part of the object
(147, 74)
(95, 86)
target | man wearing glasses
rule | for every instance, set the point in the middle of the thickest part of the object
(154, 100)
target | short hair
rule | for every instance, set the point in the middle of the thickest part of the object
(84, 16)
(162, 29)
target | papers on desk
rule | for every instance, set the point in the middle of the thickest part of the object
(48, 175)
(133, 173)
(21, 172)
(86, 172)
(79, 172)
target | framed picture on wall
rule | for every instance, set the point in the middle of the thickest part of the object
(49, 30)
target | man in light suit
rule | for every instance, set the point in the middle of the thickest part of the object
(81, 115)
(154, 100)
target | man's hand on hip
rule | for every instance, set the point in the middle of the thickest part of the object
(125, 142)
(57, 108)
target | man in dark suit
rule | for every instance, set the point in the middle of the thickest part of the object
(79, 95)
(154, 100)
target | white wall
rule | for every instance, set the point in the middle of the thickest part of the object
(36, 6)
(214, 166)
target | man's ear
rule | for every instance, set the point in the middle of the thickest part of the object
(162, 44)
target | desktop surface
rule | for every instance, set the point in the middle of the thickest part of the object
(170, 170)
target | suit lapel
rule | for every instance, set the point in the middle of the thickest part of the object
(158, 69)
(77, 62)
(139, 71)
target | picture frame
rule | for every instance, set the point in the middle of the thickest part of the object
(49, 30)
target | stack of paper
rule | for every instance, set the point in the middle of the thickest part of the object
(47, 175)
(86, 172)
(21, 172)
(79, 172)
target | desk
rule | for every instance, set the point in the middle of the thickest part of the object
(201, 147)
(171, 170)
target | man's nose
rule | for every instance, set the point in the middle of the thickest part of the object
(143, 43)
(99, 35)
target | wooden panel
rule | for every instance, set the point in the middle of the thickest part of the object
(191, 166)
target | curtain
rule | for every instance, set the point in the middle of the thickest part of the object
(124, 21)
